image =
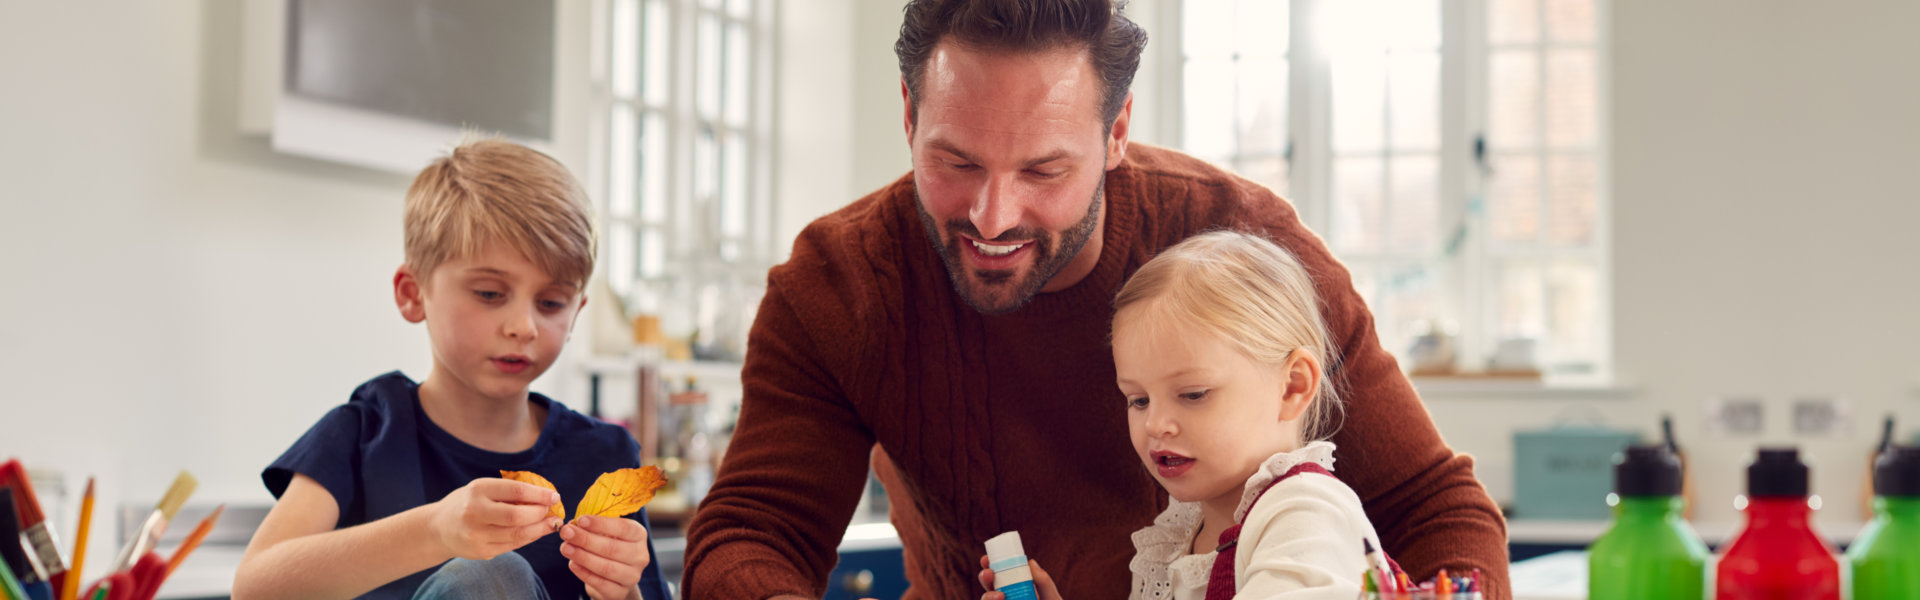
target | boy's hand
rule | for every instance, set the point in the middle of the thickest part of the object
(607, 554)
(490, 516)
(1042, 582)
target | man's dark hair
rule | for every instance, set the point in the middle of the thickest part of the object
(1113, 41)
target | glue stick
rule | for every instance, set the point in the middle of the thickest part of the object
(1009, 562)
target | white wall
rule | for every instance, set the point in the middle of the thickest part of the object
(1763, 237)
(176, 295)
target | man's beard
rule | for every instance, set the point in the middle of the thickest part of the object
(995, 292)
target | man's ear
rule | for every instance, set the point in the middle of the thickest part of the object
(1117, 134)
(1302, 376)
(906, 98)
(408, 295)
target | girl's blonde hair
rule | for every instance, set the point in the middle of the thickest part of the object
(1248, 292)
(491, 190)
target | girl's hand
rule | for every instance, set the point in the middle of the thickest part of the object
(607, 554)
(489, 517)
(1042, 582)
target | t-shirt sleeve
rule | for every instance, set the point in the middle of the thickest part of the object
(329, 453)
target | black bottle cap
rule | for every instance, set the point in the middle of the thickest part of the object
(1646, 470)
(1897, 471)
(1777, 472)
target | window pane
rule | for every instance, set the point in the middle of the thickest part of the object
(1513, 21)
(1573, 313)
(1201, 22)
(1409, 303)
(1403, 300)
(706, 178)
(1358, 204)
(1570, 20)
(1412, 24)
(1519, 302)
(733, 205)
(1513, 198)
(1572, 196)
(1263, 106)
(658, 43)
(620, 161)
(621, 263)
(653, 173)
(1513, 109)
(653, 254)
(1209, 100)
(626, 48)
(1359, 103)
(1414, 222)
(739, 8)
(710, 4)
(1416, 102)
(707, 71)
(739, 69)
(1260, 28)
(1570, 98)
(1270, 171)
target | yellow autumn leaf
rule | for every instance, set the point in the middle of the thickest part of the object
(557, 509)
(621, 492)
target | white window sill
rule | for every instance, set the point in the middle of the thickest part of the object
(1478, 388)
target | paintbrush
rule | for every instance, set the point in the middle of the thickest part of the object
(149, 535)
(193, 540)
(34, 530)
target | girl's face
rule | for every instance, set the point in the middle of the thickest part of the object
(1202, 415)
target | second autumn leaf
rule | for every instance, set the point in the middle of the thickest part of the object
(616, 494)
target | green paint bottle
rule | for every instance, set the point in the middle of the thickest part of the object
(1649, 551)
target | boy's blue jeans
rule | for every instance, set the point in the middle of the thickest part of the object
(505, 577)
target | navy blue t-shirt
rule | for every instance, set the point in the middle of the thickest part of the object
(379, 455)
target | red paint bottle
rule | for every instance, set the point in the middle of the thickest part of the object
(1778, 556)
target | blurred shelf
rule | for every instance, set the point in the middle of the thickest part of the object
(626, 366)
(1458, 387)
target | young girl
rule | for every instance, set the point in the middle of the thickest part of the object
(1219, 347)
(1221, 352)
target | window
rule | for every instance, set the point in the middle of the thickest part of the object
(1449, 152)
(684, 88)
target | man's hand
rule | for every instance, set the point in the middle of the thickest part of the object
(489, 517)
(607, 554)
(1042, 582)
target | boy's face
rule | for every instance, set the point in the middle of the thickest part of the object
(1203, 416)
(497, 321)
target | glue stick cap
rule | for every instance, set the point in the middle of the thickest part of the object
(1004, 546)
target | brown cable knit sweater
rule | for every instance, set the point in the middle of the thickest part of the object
(1013, 422)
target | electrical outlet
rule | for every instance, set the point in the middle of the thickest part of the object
(1821, 416)
(1736, 416)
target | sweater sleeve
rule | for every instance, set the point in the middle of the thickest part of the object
(1429, 508)
(1302, 542)
(793, 475)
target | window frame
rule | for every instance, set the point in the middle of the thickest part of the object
(1467, 285)
(690, 227)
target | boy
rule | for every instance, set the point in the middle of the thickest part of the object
(397, 493)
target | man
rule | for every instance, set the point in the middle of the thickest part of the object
(957, 318)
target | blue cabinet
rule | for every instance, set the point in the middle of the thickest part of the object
(875, 573)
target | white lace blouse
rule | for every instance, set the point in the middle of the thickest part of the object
(1300, 542)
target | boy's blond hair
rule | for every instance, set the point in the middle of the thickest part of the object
(1247, 292)
(491, 190)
